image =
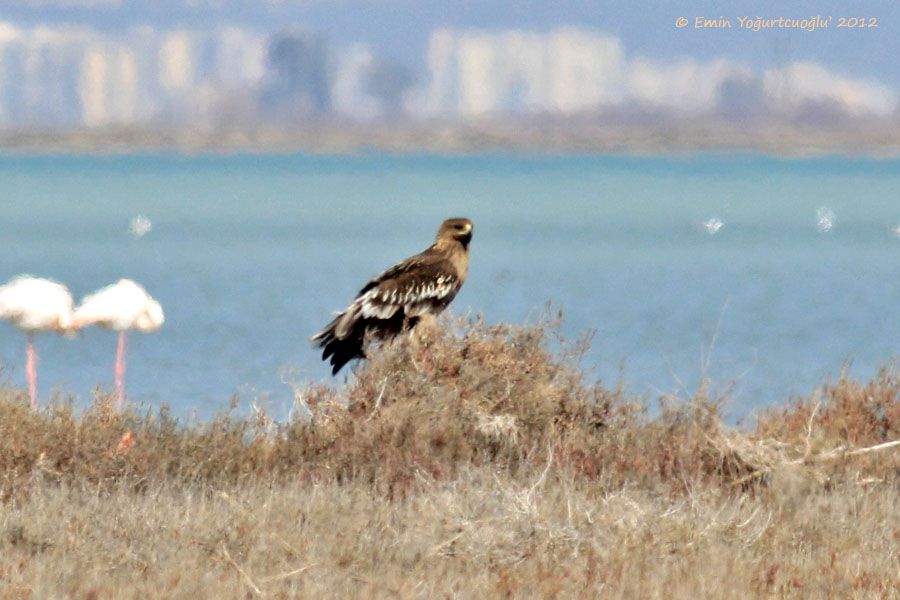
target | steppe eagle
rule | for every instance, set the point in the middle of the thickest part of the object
(397, 299)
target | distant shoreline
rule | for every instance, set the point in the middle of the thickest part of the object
(869, 140)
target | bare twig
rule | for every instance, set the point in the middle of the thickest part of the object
(378, 400)
(439, 548)
(874, 448)
(705, 360)
(840, 451)
(247, 579)
(543, 476)
(287, 575)
(809, 426)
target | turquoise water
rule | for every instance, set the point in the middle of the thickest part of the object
(249, 255)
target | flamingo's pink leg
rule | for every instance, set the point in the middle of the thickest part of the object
(31, 370)
(120, 370)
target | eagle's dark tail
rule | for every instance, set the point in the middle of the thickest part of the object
(340, 350)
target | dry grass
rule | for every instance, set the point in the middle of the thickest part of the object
(471, 461)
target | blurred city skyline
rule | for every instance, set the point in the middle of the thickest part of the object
(233, 63)
(399, 30)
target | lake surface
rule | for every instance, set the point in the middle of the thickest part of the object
(249, 255)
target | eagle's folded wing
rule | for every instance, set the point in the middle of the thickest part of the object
(393, 300)
(396, 299)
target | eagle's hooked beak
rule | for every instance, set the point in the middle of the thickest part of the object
(465, 235)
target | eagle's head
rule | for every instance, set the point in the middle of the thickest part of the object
(456, 229)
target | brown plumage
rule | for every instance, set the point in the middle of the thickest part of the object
(394, 301)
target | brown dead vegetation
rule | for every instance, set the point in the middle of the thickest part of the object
(471, 460)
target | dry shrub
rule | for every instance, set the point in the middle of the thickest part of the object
(466, 393)
(458, 395)
(848, 412)
(470, 393)
(846, 429)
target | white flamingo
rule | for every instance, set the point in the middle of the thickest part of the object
(34, 305)
(121, 307)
